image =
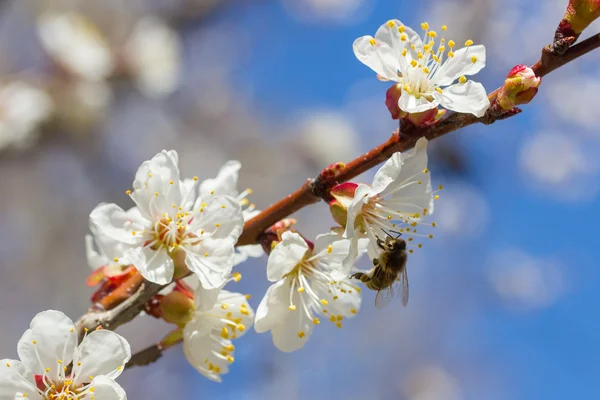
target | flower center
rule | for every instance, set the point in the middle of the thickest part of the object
(61, 389)
(171, 231)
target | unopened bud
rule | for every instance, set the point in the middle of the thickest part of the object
(423, 118)
(342, 194)
(579, 15)
(520, 87)
(272, 235)
(177, 308)
(332, 171)
(391, 101)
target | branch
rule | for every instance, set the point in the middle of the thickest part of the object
(145, 357)
(122, 307)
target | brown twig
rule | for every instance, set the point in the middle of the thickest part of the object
(144, 357)
(312, 191)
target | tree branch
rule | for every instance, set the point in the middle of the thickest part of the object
(122, 307)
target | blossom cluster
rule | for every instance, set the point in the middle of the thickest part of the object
(181, 233)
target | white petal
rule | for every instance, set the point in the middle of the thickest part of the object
(412, 104)
(286, 334)
(286, 255)
(206, 299)
(357, 247)
(345, 303)
(107, 389)
(355, 209)
(160, 175)
(211, 260)
(461, 64)
(198, 348)
(235, 302)
(189, 193)
(391, 36)
(102, 352)
(469, 97)
(380, 57)
(55, 338)
(154, 265)
(94, 259)
(225, 182)
(388, 173)
(112, 221)
(221, 218)
(12, 373)
(273, 306)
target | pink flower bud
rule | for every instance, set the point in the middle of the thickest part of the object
(579, 15)
(520, 87)
(177, 308)
(272, 235)
(332, 171)
(343, 194)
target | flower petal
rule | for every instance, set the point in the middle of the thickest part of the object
(221, 218)
(412, 104)
(154, 265)
(332, 258)
(112, 221)
(286, 255)
(388, 173)
(225, 183)
(160, 175)
(345, 298)
(107, 389)
(390, 34)
(205, 299)
(211, 260)
(461, 64)
(273, 306)
(380, 57)
(102, 352)
(355, 209)
(52, 336)
(469, 97)
(200, 350)
(12, 382)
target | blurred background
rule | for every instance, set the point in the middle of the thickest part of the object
(501, 300)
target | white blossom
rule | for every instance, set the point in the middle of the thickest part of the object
(167, 224)
(225, 183)
(76, 44)
(22, 108)
(207, 338)
(397, 53)
(309, 283)
(397, 200)
(154, 54)
(47, 349)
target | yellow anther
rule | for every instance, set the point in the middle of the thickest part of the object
(217, 225)
(230, 347)
(206, 254)
(440, 187)
(332, 318)
(419, 55)
(223, 206)
(241, 327)
(462, 79)
(439, 90)
(469, 43)
(339, 317)
(353, 310)
(244, 311)
(85, 330)
(300, 334)
(236, 276)
(230, 359)
(403, 37)
(47, 370)
(224, 306)
(437, 197)
(406, 87)
(474, 59)
(451, 54)
(229, 314)
(426, 170)
(300, 289)
(426, 70)
(338, 324)
(58, 361)
(156, 194)
(425, 26)
(444, 28)
(419, 182)
(92, 389)
(128, 192)
(335, 297)
(292, 308)
(150, 175)
(391, 24)
(372, 41)
(316, 321)
(432, 34)
(411, 251)
(116, 259)
(442, 49)
(389, 216)
(324, 302)
(79, 363)
(224, 333)
(171, 182)
(413, 63)
(433, 224)
(405, 52)
(329, 249)
(430, 236)
(451, 44)
(420, 245)
(248, 296)
(34, 342)
(195, 178)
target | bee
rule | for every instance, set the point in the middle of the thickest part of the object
(388, 268)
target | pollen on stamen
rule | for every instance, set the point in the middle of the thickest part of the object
(469, 43)
(241, 327)
(217, 225)
(451, 54)
(474, 59)
(439, 90)
(128, 192)
(116, 259)
(34, 342)
(324, 302)
(236, 276)
(411, 251)
(316, 321)
(248, 296)
(292, 308)
(451, 44)
(391, 24)
(300, 289)
(195, 178)
(230, 359)
(353, 311)
(404, 52)
(212, 192)
(432, 34)
(462, 79)
(224, 306)
(171, 182)
(413, 63)
(301, 334)
(150, 175)
(403, 37)
(444, 28)
(372, 41)
(338, 324)
(420, 245)
(156, 194)
(425, 26)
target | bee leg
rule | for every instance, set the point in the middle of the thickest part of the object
(357, 275)
(381, 244)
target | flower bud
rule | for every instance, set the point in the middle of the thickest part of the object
(423, 118)
(579, 15)
(177, 308)
(272, 235)
(332, 171)
(520, 87)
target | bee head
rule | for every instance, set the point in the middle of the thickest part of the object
(396, 244)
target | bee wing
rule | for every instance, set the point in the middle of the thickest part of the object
(404, 287)
(384, 297)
